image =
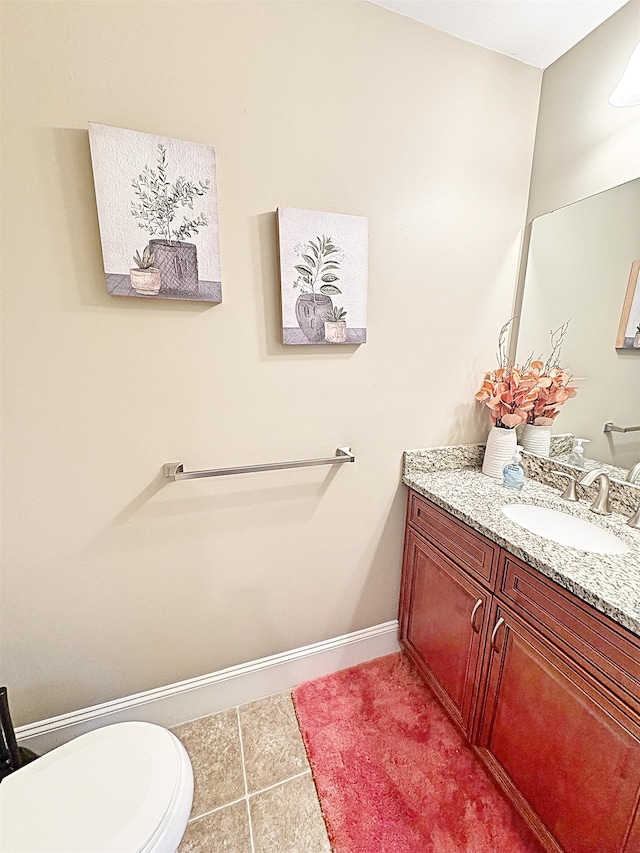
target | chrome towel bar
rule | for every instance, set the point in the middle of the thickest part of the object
(175, 470)
(611, 427)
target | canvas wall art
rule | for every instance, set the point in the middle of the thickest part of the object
(158, 215)
(323, 276)
(629, 329)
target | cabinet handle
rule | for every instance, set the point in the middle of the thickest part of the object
(494, 633)
(476, 607)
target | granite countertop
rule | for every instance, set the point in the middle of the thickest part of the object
(452, 479)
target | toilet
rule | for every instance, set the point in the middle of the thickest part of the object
(123, 788)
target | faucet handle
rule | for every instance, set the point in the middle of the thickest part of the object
(569, 493)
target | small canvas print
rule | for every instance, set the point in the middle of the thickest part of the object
(323, 276)
(158, 214)
(629, 329)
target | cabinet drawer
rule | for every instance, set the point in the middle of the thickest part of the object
(607, 651)
(479, 556)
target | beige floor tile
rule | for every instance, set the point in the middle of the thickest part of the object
(273, 748)
(213, 745)
(287, 819)
(224, 831)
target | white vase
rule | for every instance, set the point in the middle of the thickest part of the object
(501, 446)
(536, 439)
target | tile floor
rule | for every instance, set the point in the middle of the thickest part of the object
(253, 790)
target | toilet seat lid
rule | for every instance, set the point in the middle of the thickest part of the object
(107, 790)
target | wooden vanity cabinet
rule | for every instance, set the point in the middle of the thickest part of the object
(544, 687)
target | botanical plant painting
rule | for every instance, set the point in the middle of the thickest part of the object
(158, 215)
(323, 276)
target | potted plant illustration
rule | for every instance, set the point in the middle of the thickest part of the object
(319, 260)
(145, 278)
(636, 340)
(335, 326)
(159, 202)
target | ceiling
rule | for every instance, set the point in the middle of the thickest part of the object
(535, 32)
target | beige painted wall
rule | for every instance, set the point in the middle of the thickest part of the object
(585, 146)
(112, 582)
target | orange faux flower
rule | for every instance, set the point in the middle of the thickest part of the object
(530, 394)
(509, 393)
(553, 389)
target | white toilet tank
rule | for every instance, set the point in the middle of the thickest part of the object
(124, 788)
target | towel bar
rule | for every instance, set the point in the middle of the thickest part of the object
(175, 470)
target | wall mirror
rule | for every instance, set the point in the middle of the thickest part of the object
(578, 268)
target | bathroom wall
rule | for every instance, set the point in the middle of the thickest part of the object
(112, 581)
(585, 146)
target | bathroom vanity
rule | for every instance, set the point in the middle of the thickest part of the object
(533, 649)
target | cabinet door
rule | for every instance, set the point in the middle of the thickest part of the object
(550, 735)
(443, 626)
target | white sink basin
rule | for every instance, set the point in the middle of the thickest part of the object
(565, 529)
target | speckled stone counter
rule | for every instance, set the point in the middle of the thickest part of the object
(452, 479)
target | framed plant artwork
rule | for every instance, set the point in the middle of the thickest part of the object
(323, 276)
(629, 329)
(158, 215)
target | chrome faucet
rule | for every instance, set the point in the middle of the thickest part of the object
(634, 474)
(602, 504)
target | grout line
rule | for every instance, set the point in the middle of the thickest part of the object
(282, 782)
(217, 809)
(248, 796)
(244, 776)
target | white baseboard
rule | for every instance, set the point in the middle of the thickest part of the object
(207, 694)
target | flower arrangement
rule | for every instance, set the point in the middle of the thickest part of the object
(530, 394)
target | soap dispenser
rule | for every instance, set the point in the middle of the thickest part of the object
(513, 472)
(576, 457)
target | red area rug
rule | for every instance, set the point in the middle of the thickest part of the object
(393, 773)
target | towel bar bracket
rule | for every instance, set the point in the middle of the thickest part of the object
(172, 469)
(611, 427)
(175, 470)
